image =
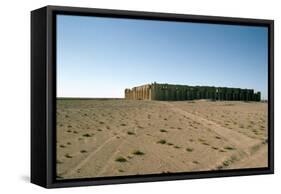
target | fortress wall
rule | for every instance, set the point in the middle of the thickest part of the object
(170, 92)
(139, 93)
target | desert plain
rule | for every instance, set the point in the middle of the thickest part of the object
(118, 137)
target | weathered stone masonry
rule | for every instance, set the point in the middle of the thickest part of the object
(156, 91)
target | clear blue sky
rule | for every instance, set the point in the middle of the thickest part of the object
(100, 57)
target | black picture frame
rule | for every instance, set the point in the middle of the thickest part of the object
(43, 95)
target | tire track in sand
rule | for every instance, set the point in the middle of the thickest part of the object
(163, 159)
(243, 142)
(89, 157)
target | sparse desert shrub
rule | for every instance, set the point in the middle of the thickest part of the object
(83, 151)
(121, 159)
(162, 141)
(101, 122)
(189, 149)
(130, 133)
(138, 152)
(68, 156)
(123, 124)
(255, 132)
(177, 147)
(195, 162)
(229, 148)
(225, 163)
(169, 143)
(163, 130)
(87, 135)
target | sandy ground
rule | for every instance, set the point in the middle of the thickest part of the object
(97, 138)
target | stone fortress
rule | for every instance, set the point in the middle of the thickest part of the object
(171, 92)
